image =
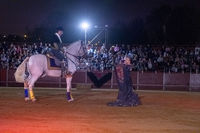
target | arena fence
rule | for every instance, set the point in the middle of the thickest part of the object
(141, 80)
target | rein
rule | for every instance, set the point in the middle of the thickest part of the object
(77, 57)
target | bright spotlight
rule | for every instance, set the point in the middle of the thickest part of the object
(85, 25)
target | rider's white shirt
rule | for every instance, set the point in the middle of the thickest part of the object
(58, 37)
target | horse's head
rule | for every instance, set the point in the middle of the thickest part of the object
(78, 49)
(83, 49)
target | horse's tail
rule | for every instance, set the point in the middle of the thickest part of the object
(20, 72)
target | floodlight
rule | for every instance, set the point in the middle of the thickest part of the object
(85, 25)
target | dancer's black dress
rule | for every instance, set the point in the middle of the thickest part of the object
(126, 96)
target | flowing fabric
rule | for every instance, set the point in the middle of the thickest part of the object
(101, 81)
(126, 96)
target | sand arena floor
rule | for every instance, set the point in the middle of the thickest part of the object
(160, 112)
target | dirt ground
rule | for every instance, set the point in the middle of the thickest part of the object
(160, 112)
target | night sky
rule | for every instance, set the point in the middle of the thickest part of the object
(18, 15)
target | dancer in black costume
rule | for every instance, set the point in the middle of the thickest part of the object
(126, 96)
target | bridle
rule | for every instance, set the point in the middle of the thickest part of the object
(78, 57)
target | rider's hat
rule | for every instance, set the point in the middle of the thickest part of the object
(59, 29)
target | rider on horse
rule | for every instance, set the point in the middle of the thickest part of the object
(57, 47)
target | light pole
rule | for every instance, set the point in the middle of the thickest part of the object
(106, 35)
(102, 29)
(85, 26)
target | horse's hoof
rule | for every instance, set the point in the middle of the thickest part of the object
(33, 100)
(69, 97)
(70, 100)
(26, 99)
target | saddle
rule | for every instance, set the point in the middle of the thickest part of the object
(53, 63)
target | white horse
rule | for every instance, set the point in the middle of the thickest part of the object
(36, 66)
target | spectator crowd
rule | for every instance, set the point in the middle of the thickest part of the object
(100, 58)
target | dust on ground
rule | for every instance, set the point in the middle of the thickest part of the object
(160, 112)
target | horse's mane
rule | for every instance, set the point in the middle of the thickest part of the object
(73, 46)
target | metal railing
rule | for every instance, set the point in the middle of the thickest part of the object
(141, 80)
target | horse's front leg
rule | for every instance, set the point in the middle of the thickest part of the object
(69, 85)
